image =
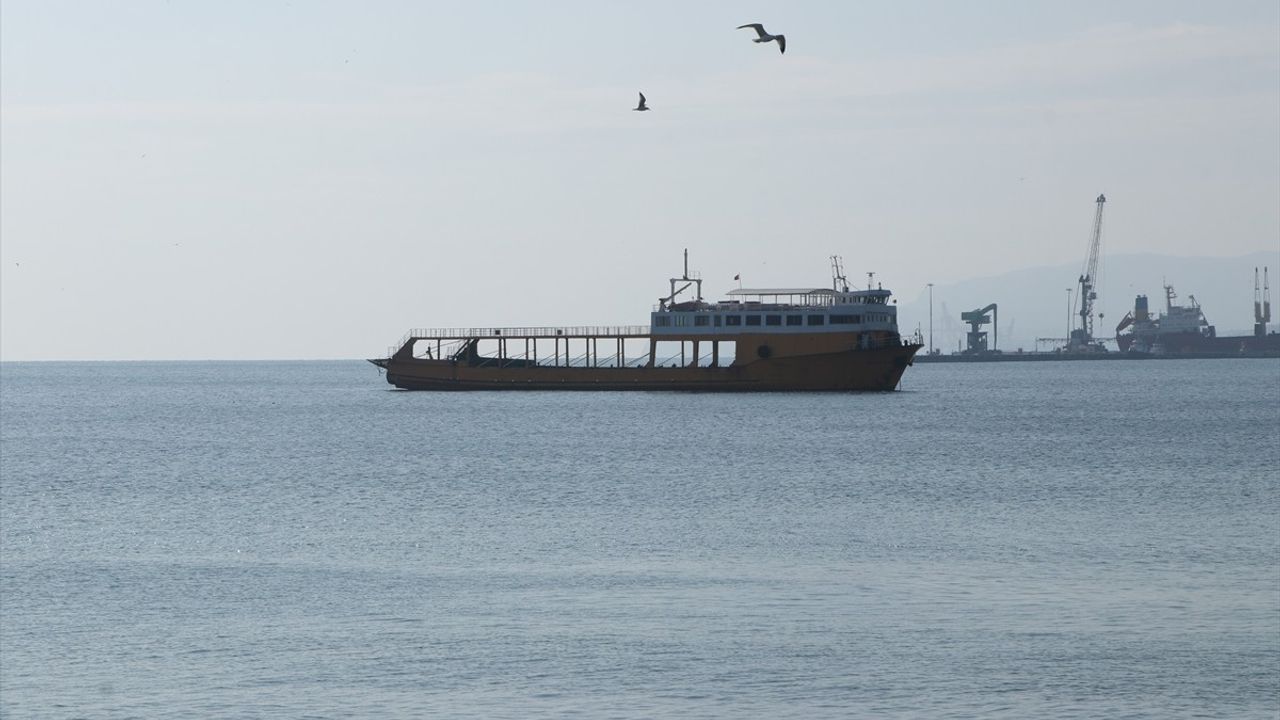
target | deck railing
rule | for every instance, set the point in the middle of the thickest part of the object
(575, 331)
(525, 332)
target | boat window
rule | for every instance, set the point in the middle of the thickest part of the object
(700, 319)
(845, 319)
(753, 319)
(772, 319)
(795, 319)
(733, 320)
(817, 319)
(661, 321)
(718, 321)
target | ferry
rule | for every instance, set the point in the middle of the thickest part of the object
(757, 339)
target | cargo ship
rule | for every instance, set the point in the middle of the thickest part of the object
(1183, 331)
(758, 339)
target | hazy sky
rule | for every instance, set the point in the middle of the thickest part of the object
(310, 179)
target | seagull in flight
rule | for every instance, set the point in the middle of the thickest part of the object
(642, 106)
(766, 37)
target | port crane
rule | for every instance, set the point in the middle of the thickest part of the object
(1261, 303)
(1081, 339)
(977, 337)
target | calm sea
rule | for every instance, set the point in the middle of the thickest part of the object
(297, 539)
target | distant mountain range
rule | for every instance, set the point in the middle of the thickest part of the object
(1033, 303)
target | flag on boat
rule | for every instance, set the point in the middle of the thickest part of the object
(737, 277)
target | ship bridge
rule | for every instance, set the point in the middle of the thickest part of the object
(780, 311)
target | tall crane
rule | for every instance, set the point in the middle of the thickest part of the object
(1266, 298)
(1082, 337)
(977, 337)
(1261, 303)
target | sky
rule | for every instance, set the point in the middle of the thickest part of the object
(296, 179)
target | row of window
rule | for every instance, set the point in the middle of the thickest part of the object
(701, 320)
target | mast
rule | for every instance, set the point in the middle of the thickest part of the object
(695, 281)
(839, 282)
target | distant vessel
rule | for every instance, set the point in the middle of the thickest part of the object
(774, 339)
(1182, 330)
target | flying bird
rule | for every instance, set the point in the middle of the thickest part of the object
(642, 106)
(766, 37)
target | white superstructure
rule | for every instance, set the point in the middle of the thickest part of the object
(804, 310)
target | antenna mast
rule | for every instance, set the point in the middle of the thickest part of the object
(696, 281)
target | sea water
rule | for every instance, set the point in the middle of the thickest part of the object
(298, 539)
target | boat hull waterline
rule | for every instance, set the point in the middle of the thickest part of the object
(878, 369)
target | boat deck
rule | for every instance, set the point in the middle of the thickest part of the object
(575, 332)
